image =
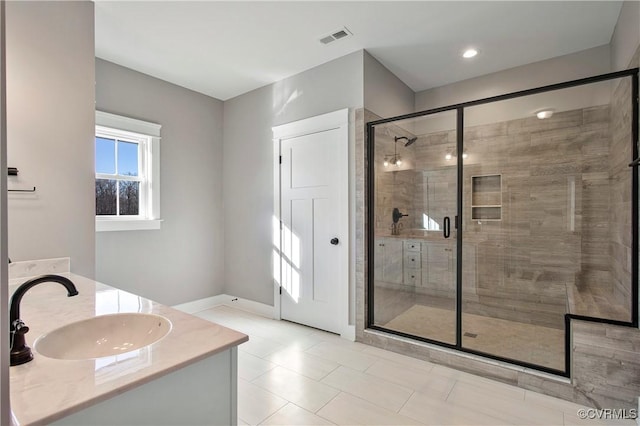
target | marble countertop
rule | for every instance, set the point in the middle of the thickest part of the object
(418, 235)
(46, 389)
(470, 238)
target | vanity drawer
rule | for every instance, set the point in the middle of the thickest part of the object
(412, 246)
(413, 277)
(412, 260)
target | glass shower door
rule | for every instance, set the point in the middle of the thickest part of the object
(492, 241)
(537, 220)
(415, 202)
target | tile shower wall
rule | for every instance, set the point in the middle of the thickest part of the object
(552, 239)
(552, 245)
(606, 367)
(395, 185)
(620, 194)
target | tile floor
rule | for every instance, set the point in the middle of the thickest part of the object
(295, 375)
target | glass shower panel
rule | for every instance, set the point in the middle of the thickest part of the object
(540, 200)
(415, 201)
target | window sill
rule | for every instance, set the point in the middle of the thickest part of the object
(104, 225)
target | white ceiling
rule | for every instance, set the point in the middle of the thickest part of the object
(224, 49)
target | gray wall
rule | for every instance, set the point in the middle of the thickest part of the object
(582, 64)
(50, 125)
(384, 93)
(182, 261)
(248, 163)
(626, 37)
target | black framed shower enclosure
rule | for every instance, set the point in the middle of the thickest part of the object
(479, 197)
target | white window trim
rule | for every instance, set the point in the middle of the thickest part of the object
(153, 221)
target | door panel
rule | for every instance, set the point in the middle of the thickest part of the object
(392, 261)
(323, 271)
(415, 278)
(311, 217)
(311, 160)
(440, 267)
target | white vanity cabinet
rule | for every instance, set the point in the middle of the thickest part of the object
(425, 263)
(416, 262)
(198, 394)
(438, 260)
(388, 260)
(412, 262)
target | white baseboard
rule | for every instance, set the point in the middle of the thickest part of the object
(250, 306)
(200, 305)
(267, 311)
(226, 300)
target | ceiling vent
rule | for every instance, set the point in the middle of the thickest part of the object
(335, 35)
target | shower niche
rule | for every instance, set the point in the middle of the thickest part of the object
(486, 197)
(516, 225)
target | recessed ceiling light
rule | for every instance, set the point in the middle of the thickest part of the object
(469, 53)
(547, 113)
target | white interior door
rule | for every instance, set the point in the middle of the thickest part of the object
(314, 237)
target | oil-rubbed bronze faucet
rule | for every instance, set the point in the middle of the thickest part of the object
(20, 352)
(395, 228)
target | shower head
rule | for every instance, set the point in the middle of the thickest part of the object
(409, 141)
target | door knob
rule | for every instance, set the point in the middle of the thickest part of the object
(335, 241)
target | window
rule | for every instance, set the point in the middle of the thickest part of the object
(127, 173)
(120, 173)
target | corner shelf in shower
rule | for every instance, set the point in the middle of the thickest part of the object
(486, 197)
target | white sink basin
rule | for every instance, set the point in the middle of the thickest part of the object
(101, 336)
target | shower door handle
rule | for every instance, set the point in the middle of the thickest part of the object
(447, 227)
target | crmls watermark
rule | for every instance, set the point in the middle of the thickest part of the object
(607, 413)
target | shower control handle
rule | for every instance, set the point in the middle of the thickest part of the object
(334, 241)
(446, 229)
(396, 215)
